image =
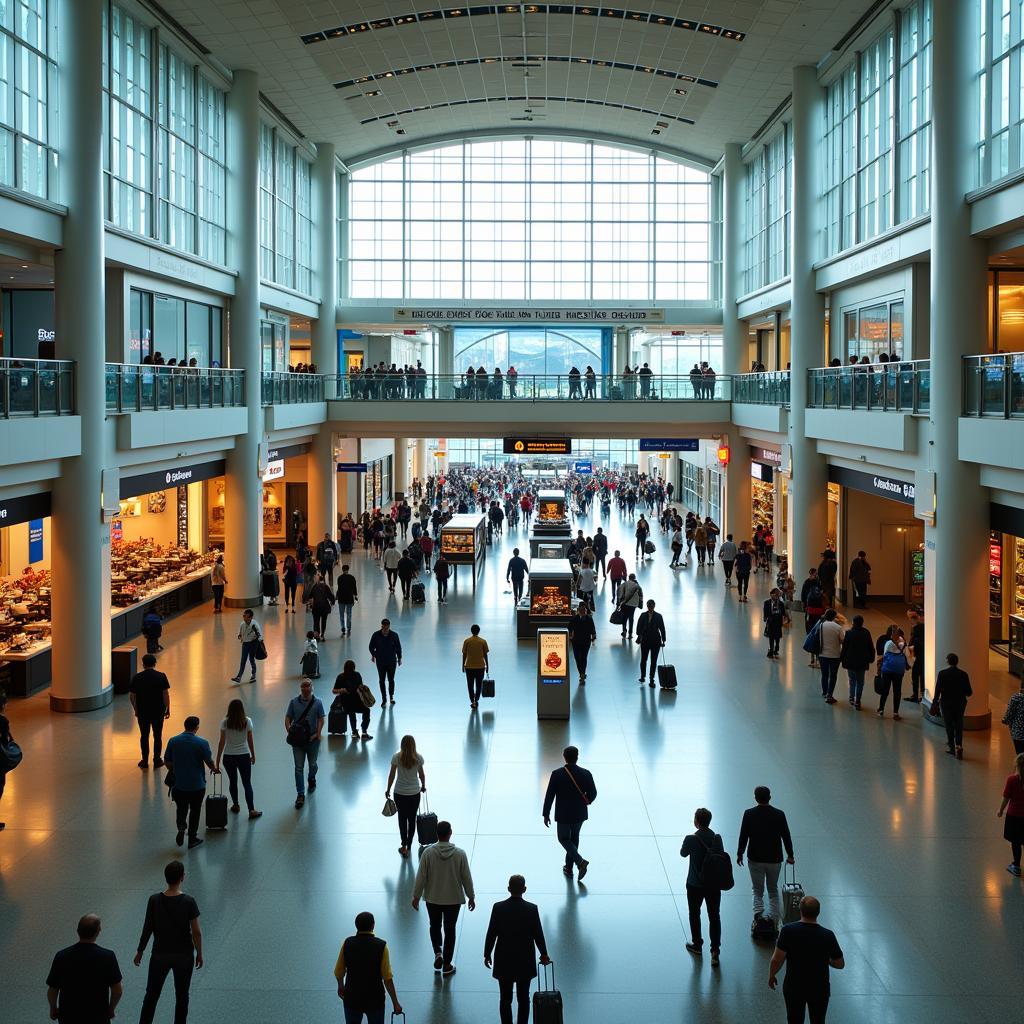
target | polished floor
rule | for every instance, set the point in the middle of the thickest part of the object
(900, 842)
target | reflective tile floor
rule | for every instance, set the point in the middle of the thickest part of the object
(900, 842)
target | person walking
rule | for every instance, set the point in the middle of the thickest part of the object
(628, 599)
(764, 831)
(650, 635)
(586, 584)
(320, 600)
(774, 614)
(348, 700)
(363, 972)
(410, 780)
(857, 655)
(617, 573)
(386, 653)
(700, 542)
(237, 749)
(84, 985)
(248, 636)
(830, 653)
(326, 558)
(442, 572)
(514, 934)
(642, 532)
(696, 847)
(860, 577)
(582, 636)
(600, 546)
(516, 572)
(392, 556)
(813, 599)
(172, 921)
(150, 695)
(303, 727)
(727, 553)
(809, 952)
(894, 665)
(676, 545)
(828, 569)
(5, 738)
(290, 575)
(346, 596)
(1012, 807)
(218, 581)
(186, 757)
(475, 663)
(744, 563)
(916, 647)
(427, 547)
(444, 882)
(1013, 719)
(952, 688)
(571, 791)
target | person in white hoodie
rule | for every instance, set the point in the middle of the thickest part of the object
(832, 634)
(445, 883)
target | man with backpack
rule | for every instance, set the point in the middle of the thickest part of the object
(709, 874)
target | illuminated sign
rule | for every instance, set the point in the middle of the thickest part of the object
(553, 656)
(537, 446)
(669, 444)
(488, 314)
(274, 470)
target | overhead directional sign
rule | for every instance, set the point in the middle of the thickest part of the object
(537, 446)
(669, 444)
(580, 466)
(351, 467)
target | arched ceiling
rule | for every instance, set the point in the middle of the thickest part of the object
(369, 75)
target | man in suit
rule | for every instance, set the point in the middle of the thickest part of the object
(571, 789)
(774, 617)
(952, 688)
(650, 632)
(513, 932)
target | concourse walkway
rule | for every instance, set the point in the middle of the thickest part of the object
(899, 841)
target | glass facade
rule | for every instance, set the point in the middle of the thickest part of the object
(487, 451)
(28, 97)
(1001, 81)
(165, 156)
(285, 212)
(532, 350)
(173, 328)
(768, 204)
(531, 219)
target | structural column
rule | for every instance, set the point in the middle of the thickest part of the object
(734, 330)
(243, 492)
(445, 361)
(956, 566)
(420, 471)
(322, 503)
(401, 466)
(809, 489)
(81, 540)
(620, 352)
(737, 489)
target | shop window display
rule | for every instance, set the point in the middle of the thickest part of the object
(551, 599)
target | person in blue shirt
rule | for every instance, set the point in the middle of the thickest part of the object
(186, 757)
(303, 725)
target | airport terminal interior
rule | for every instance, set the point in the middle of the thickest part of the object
(735, 285)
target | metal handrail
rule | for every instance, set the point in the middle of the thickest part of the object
(993, 385)
(872, 387)
(529, 387)
(36, 387)
(133, 387)
(285, 388)
(765, 387)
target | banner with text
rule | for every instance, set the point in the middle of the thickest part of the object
(498, 314)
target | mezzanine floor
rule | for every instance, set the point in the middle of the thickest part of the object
(900, 842)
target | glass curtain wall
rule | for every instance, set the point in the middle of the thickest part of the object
(768, 206)
(28, 97)
(165, 160)
(877, 134)
(531, 219)
(487, 451)
(676, 356)
(1001, 81)
(531, 350)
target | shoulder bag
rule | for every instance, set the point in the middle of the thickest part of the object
(586, 801)
(365, 694)
(299, 732)
(390, 808)
(259, 649)
(10, 755)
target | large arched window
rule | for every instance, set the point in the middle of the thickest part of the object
(530, 220)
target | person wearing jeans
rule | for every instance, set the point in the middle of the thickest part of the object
(186, 756)
(571, 790)
(409, 780)
(303, 725)
(386, 653)
(347, 595)
(856, 656)
(894, 665)
(249, 636)
(475, 663)
(696, 847)
(238, 752)
(831, 636)
(764, 832)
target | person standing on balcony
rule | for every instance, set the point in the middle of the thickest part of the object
(590, 386)
(645, 373)
(497, 385)
(574, 383)
(628, 382)
(512, 377)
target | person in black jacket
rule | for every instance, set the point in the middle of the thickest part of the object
(512, 934)
(347, 595)
(406, 572)
(857, 655)
(763, 833)
(952, 688)
(571, 789)
(696, 847)
(775, 615)
(650, 634)
(582, 635)
(363, 972)
(386, 653)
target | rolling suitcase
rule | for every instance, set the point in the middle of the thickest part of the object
(667, 677)
(426, 825)
(337, 720)
(763, 929)
(418, 593)
(547, 1002)
(487, 688)
(649, 547)
(311, 665)
(792, 894)
(217, 807)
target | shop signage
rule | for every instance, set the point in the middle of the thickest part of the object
(502, 314)
(583, 467)
(35, 541)
(766, 455)
(669, 444)
(873, 483)
(179, 476)
(24, 509)
(182, 517)
(274, 471)
(759, 471)
(286, 452)
(351, 467)
(1006, 519)
(538, 446)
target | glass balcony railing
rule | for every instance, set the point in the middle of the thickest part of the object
(994, 385)
(36, 387)
(874, 387)
(529, 388)
(291, 388)
(763, 388)
(135, 388)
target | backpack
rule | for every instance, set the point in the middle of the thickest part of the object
(716, 871)
(812, 642)
(815, 603)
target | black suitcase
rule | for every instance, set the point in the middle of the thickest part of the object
(418, 593)
(547, 1002)
(337, 722)
(763, 929)
(667, 677)
(216, 807)
(311, 665)
(426, 825)
(487, 688)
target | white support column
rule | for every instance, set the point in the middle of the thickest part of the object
(621, 350)
(809, 488)
(737, 489)
(421, 471)
(445, 361)
(243, 492)
(956, 566)
(734, 330)
(81, 540)
(401, 467)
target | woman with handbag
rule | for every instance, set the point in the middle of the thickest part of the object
(628, 599)
(894, 666)
(348, 690)
(409, 780)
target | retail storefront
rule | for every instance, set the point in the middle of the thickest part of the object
(1006, 582)
(285, 495)
(700, 484)
(378, 483)
(768, 492)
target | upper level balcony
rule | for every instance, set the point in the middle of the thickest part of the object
(872, 387)
(991, 431)
(769, 387)
(291, 388)
(994, 385)
(30, 389)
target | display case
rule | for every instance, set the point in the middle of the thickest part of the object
(549, 597)
(550, 517)
(995, 585)
(464, 539)
(762, 501)
(1018, 576)
(1017, 645)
